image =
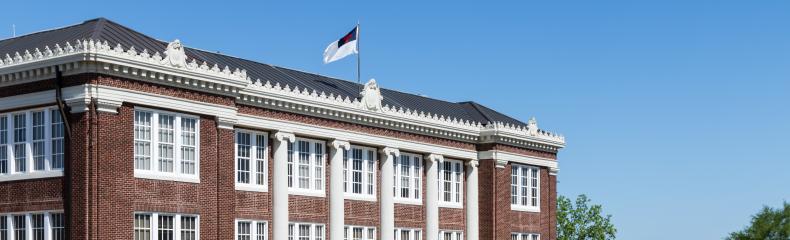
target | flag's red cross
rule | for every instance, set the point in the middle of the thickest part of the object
(347, 38)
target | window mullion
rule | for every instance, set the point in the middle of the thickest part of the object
(29, 162)
(177, 144)
(47, 139)
(154, 142)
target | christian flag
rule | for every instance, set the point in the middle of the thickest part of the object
(341, 48)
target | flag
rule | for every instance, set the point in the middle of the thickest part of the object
(341, 48)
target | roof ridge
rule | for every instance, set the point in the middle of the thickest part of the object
(49, 30)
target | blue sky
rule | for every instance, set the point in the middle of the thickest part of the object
(676, 112)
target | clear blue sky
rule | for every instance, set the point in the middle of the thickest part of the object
(677, 113)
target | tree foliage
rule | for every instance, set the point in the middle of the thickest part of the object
(768, 224)
(582, 221)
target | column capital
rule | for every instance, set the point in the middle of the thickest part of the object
(473, 163)
(284, 136)
(338, 144)
(433, 157)
(554, 171)
(390, 151)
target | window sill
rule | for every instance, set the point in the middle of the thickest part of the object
(360, 197)
(450, 205)
(251, 188)
(524, 208)
(30, 175)
(309, 193)
(408, 201)
(167, 176)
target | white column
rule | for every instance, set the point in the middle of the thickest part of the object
(432, 196)
(387, 201)
(472, 214)
(336, 208)
(280, 184)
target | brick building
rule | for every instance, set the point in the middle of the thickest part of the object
(106, 133)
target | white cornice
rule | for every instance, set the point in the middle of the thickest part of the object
(86, 56)
(503, 158)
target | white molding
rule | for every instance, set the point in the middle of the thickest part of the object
(30, 175)
(506, 157)
(166, 176)
(360, 197)
(27, 100)
(258, 122)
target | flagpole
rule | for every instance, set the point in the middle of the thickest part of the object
(359, 81)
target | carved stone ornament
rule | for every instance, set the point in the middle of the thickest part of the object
(175, 55)
(371, 96)
(532, 126)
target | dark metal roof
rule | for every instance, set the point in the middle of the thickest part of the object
(106, 30)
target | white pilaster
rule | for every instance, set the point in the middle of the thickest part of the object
(432, 196)
(387, 201)
(280, 184)
(336, 208)
(472, 214)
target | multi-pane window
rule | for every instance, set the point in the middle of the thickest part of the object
(37, 226)
(306, 231)
(3, 145)
(166, 145)
(3, 228)
(408, 176)
(524, 236)
(451, 175)
(31, 142)
(451, 235)
(524, 187)
(161, 226)
(306, 166)
(251, 160)
(251, 230)
(20, 227)
(58, 225)
(407, 234)
(359, 170)
(359, 233)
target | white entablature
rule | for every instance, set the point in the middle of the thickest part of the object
(175, 68)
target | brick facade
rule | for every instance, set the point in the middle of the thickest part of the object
(99, 192)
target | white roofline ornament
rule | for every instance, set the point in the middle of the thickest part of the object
(371, 96)
(532, 126)
(175, 55)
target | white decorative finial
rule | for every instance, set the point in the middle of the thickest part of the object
(532, 126)
(175, 55)
(371, 96)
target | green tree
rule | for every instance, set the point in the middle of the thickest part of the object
(768, 224)
(582, 221)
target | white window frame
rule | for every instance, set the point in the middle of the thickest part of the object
(369, 156)
(524, 236)
(456, 235)
(29, 223)
(533, 173)
(254, 161)
(30, 173)
(253, 229)
(176, 175)
(293, 165)
(348, 230)
(456, 184)
(293, 228)
(415, 178)
(176, 223)
(415, 233)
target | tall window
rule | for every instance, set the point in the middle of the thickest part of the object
(305, 231)
(20, 227)
(524, 236)
(3, 228)
(408, 234)
(524, 188)
(57, 139)
(359, 233)
(451, 235)
(156, 226)
(251, 230)
(37, 222)
(166, 145)
(58, 224)
(31, 141)
(359, 168)
(408, 176)
(3, 145)
(451, 174)
(251, 160)
(306, 166)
